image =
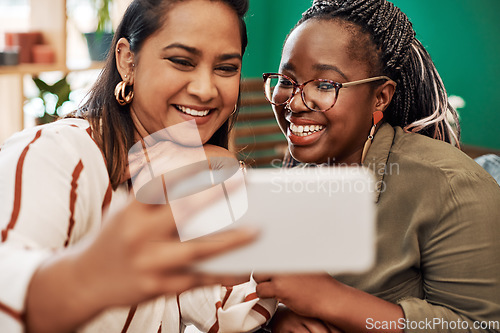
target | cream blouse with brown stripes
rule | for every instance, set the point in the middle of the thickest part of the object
(53, 188)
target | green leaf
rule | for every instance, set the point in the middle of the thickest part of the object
(61, 89)
(103, 15)
(42, 86)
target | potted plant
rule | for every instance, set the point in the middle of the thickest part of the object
(99, 41)
(52, 98)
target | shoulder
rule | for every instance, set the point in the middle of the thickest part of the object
(62, 131)
(66, 137)
(436, 188)
(431, 154)
(220, 157)
(56, 150)
(440, 175)
(216, 151)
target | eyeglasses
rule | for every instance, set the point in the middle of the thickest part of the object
(318, 95)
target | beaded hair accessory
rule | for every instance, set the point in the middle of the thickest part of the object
(319, 5)
(324, 3)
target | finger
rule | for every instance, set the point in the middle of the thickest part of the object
(300, 329)
(332, 328)
(259, 278)
(315, 326)
(266, 290)
(180, 282)
(224, 280)
(173, 255)
(220, 242)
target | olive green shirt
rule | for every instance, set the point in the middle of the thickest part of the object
(438, 235)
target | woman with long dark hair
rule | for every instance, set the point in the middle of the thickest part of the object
(76, 253)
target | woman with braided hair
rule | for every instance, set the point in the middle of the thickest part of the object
(78, 251)
(355, 87)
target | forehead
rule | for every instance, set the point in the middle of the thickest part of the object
(322, 42)
(201, 23)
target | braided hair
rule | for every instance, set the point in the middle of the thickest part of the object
(420, 103)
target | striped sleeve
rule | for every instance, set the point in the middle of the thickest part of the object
(226, 309)
(48, 176)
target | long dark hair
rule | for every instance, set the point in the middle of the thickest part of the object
(420, 103)
(111, 123)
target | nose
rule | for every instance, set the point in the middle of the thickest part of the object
(203, 87)
(296, 104)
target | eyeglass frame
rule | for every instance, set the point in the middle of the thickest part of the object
(337, 85)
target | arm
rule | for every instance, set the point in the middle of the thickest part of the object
(460, 260)
(121, 267)
(320, 296)
(37, 173)
(285, 320)
(123, 264)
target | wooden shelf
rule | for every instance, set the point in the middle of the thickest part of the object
(49, 17)
(39, 68)
(30, 68)
(93, 65)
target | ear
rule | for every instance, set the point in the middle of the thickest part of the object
(384, 94)
(125, 60)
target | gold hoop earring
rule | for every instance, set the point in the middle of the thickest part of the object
(376, 118)
(120, 93)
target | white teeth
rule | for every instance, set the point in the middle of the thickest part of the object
(193, 112)
(305, 130)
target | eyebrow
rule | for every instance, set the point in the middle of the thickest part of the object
(318, 67)
(197, 52)
(229, 56)
(325, 67)
(288, 66)
(189, 49)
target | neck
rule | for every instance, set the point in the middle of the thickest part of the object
(140, 132)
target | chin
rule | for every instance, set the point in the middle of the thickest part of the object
(304, 156)
(206, 135)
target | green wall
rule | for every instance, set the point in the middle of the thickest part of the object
(268, 23)
(462, 36)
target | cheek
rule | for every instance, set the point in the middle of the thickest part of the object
(152, 89)
(355, 111)
(279, 114)
(229, 92)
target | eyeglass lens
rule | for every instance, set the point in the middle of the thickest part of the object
(318, 95)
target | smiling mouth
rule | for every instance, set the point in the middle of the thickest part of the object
(300, 130)
(191, 112)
